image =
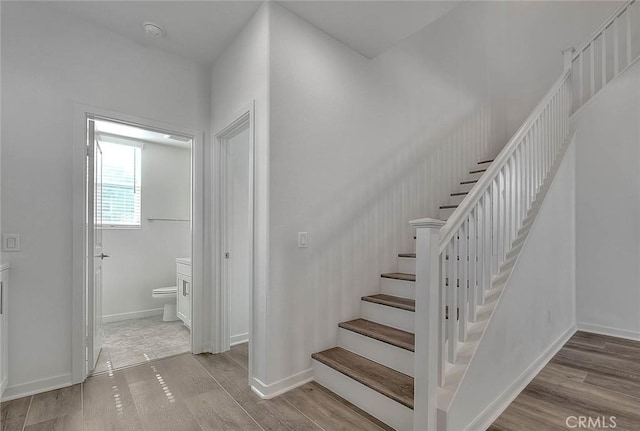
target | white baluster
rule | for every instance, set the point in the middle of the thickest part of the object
(628, 25)
(473, 262)
(592, 69)
(495, 223)
(452, 300)
(604, 57)
(463, 277)
(616, 48)
(486, 255)
(581, 82)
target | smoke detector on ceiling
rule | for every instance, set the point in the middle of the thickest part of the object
(153, 30)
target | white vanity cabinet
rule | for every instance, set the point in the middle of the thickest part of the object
(183, 275)
(4, 340)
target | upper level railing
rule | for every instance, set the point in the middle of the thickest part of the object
(613, 47)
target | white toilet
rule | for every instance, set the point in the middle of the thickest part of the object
(169, 296)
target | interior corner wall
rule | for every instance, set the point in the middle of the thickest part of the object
(144, 259)
(608, 209)
(360, 147)
(538, 32)
(534, 316)
(49, 61)
(239, 77)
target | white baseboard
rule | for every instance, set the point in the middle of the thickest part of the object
(495, 409)
(266, 392)
(239, 339)
(3, 386)
(605, 330)
(36, 387)
(132, 315)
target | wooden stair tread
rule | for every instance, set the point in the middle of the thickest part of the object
(477, 171)
(386, 334)
(409, 255)
(399, 276)
(388, 382)
(459, 194)
(391, 301)
(468, 182)
(485, 161)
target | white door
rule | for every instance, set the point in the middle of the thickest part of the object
(237, 232)
(95, 255)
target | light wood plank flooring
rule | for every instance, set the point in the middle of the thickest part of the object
(593, 376)
(183, 393)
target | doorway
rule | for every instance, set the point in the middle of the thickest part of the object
(235, 227)
(142, 246)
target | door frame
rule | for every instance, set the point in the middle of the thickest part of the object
(221, 339)
(79, 339)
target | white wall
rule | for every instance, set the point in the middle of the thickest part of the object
(535, 314)
(144, 259)
(240, 76)
(50, 61)
(608, 209)
(538, 31)
(359, 148)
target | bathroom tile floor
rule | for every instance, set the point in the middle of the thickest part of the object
(135, 341)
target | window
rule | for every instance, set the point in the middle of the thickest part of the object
(120, 200)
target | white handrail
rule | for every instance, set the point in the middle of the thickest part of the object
(462, 211)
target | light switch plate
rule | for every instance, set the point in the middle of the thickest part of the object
(303, 240)
(10, 242)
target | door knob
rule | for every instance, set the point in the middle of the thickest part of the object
(102, 255)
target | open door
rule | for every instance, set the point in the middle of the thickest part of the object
(95, 255)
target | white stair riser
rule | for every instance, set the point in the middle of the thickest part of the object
(387, 410)
(407, 265)
(390, 316)
(383, 353)
(445, 213)
(465, 187)
(456, 200)
(401, 288)
(475, 176)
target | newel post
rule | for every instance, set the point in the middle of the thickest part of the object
(568, 57)
(426, 324)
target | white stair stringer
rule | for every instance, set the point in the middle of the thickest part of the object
(454, 373)
(383, 408)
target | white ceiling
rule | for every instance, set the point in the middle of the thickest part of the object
(197, 30)
(370, 27)
(200, 30)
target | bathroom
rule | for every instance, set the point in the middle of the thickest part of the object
(145, 205)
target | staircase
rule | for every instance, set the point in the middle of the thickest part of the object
(376, 351)
(403, 360)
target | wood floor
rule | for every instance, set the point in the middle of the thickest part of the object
(183, 393)
(592, 376)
